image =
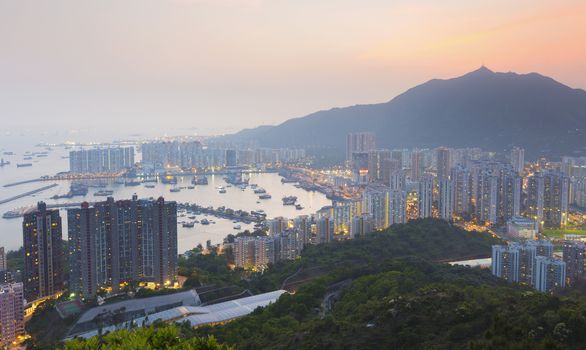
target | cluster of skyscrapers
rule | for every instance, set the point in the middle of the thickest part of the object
(532, 263)
(101, 160)
(466, 185)
(113, 243)
(529, 263)
(193, 154)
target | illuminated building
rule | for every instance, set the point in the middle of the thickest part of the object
(462, 193)
(375, 201)
(376, 164)
(117, 242)
(575, 259)
(550, 274)
(278, 225)
(548, 199)
(505, 262)
(43, 250)
(389, 168)
(11, 313)
(486, 197)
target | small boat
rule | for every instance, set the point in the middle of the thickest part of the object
(149, 186)
(260, 191)
(289, 200)
(104, 193)
(175, 190)
(223, 190)
(237, 227)
(298, 207)
(22, 165)
(188, 224)
(265, 196)
(132, 183)
(190, 187)
(204, 222)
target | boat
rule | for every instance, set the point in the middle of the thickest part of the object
(260, 190)
(265, 196)
(132, 183)
(288, 181)
(237, 227)
(149, 186)
(169, 179)
(175, 190)
(201, 180)
(8, 153)
(223, 190)
(104, 193)
(3, 162)
(190, 187)
(205, 222)
(22, 165)
(298, 207)
(188, 224)
(27, 158)
(289, 200)
(13, 214)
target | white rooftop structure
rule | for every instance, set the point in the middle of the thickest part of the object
(201, 315)
(482, 263)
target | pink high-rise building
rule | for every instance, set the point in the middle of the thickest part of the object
(11, 312)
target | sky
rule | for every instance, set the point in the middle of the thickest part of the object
(216, 66)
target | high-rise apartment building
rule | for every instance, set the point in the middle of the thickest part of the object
(446, 199)
(116, 242)
(575, 259)
(417, 164)
(325, 228)
(397, 207)
(11, 313)
(3, 266)
(505, 262)
(362, 142)
(375, 202)
(101, 160)
(425, 197)
(43, 253)
(361, 225)
(518, 160)
(548, 199)
(444, 164)
(462, 193)
(550, 274)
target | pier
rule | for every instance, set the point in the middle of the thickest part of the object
(27, 193)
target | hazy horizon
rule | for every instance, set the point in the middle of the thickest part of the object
(212, 67)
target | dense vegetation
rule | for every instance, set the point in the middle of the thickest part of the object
(387, 290)
(150, 338)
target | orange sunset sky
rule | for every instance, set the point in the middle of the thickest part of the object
(221, 65)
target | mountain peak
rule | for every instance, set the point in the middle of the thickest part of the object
(483, 70)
